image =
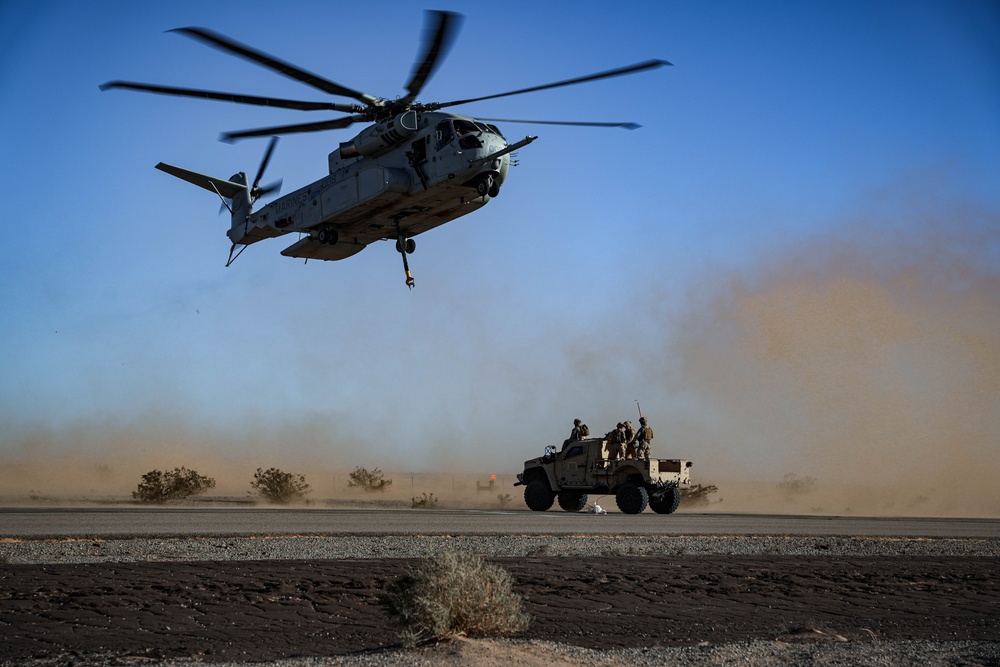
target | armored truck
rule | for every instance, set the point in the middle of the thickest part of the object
(584, 467)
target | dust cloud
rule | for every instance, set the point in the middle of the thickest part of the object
(103, 461)
(863, 364)
(867, 363)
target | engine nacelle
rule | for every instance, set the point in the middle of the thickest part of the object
(382, 137)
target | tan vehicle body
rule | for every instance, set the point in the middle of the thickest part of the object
(584, 467)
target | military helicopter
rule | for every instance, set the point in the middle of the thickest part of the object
(415, 168)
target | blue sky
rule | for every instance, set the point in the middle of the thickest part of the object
(841, 148)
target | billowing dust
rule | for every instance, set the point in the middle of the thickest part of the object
(83, 481)
(855, 374)
(866, 364)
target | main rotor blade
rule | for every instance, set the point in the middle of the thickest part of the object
(263, 163)
(335, 124)
(639, 67)
(438, 38)
(234, 97)
(287, 69)
(627, 126)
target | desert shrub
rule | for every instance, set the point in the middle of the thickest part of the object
(177, 484)
(279, 486)
(697, 494)
(795, 485)
(452, 594)
(426, 500)
(369, 480)
(504, 499)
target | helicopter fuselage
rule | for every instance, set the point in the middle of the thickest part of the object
(394, 180)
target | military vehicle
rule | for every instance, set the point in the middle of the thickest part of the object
(585, 467)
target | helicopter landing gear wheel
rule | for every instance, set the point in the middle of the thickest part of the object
(328, 235)
(484, 185)
(494, 189)
(405, 246)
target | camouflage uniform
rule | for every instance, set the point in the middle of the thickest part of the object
(575, 434)
(642, 438)
(616, 443)
(629, 441)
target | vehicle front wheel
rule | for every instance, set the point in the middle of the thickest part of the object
(538, 496)
(572, 502)
(631, 499)
(666, 503)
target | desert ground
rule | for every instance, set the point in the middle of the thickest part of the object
(602, 590)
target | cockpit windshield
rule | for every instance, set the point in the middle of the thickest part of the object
(467, 132)
(465, 127)
(488, 128)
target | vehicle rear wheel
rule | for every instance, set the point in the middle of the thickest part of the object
(572, 502)
(666, 503)
(538, 496)
(631, 499)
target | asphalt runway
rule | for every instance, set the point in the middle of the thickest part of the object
(177, 522)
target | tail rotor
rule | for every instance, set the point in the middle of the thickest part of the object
(256, 191)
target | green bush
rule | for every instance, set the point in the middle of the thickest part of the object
(453, 594)
(278, 486)
(177, 484)
(369, 480)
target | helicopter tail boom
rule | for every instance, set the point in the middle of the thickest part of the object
(234, 192)
(223, 187)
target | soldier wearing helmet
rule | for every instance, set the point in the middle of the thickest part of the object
(616, 442)
(642, 438)
(579, 432)
(629, 440)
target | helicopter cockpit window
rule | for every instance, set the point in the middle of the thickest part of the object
(467, 132)
(443, 134)
(495, 130)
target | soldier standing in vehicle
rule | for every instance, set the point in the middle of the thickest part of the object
(579, 432)
(642, 438)
(616, 448)
(630, 450)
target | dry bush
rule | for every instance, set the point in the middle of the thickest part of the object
(279, 486)
(697, 494)
(504, 499)
(176, 484)
(795, 485)
(369, 480)
(453, 594)
(426, 501)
